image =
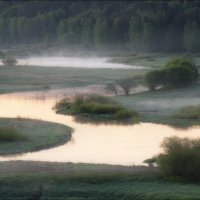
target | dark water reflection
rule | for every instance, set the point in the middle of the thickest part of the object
(91, 143)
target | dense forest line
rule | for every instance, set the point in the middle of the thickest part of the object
(142, 26)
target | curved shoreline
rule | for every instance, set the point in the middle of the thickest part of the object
(51, 135)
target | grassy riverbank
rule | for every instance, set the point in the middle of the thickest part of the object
(36, 135)
(160, 106)
(87, 181)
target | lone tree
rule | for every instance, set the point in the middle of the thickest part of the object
(126, 84)
(9, 61)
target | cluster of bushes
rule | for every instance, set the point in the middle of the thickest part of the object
(10, 135)
(181, 158)
(178, 72)
(95, 105)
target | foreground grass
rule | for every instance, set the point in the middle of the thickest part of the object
(87, 181)
(36, 135)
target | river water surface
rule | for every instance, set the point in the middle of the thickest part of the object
(111, 144)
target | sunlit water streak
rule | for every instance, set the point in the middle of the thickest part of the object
(111, 144)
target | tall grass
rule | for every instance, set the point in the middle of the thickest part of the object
(10, 135)
(95, 105)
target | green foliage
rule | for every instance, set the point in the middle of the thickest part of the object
(181, 158)
(10, 135)
(178, 72)
(154, 79)
(181, 72)
(95, 105)
(9, 61)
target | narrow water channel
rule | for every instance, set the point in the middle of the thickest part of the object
(110, 144)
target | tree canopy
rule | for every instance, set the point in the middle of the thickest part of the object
(143, 26)
(178, 72)
(181, 72)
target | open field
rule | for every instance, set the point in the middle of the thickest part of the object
(162, 101)
(38, 135)
(26, 78)
(87, 181)
(158, 106)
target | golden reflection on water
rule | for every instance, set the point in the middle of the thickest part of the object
(111, 144)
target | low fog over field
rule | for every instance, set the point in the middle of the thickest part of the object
(75, 62)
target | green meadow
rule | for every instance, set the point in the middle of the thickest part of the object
(36, 180)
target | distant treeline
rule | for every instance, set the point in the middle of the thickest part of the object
(143, 26)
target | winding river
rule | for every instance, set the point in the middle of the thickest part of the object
(110, 144)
